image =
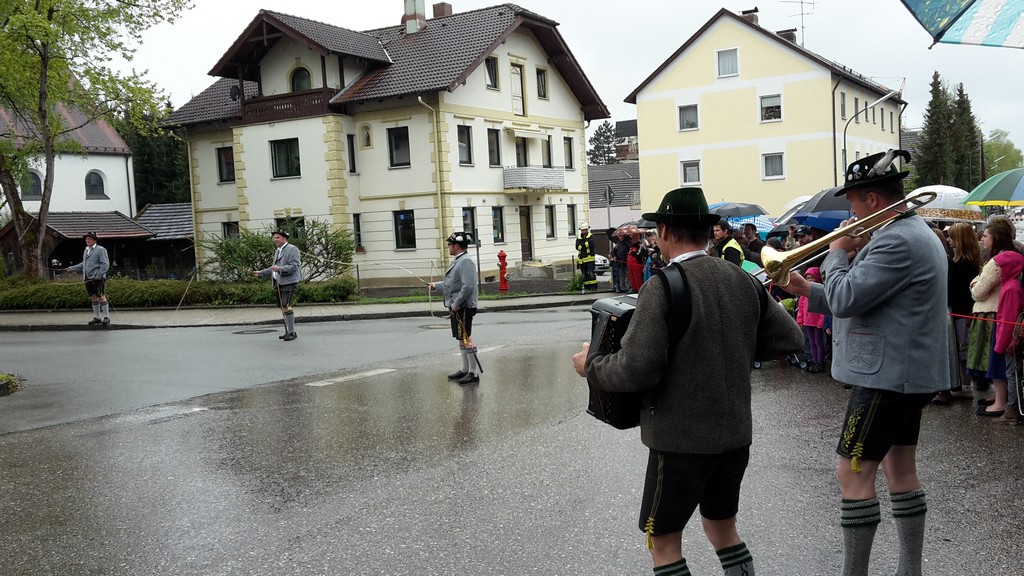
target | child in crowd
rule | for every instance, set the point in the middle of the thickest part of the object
(812, 324)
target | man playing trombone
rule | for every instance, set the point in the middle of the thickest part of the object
(888, 300)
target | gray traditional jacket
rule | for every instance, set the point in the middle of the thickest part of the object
(889, 309)
(94, 263)
(699, 399)
(291, 266)
(460, 283)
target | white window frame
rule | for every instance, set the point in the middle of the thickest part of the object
(856, 110)
(842, 105)
(764, 166)
(491, 80)
(718, 63)
(465, 148)
(679, 117)
(683, 165)
(761, 108)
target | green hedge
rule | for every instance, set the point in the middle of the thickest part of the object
(21, 293)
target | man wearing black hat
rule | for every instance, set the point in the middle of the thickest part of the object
(696, 419)
(460, 297)
(888, 304)
(286, 273)
(94, 268)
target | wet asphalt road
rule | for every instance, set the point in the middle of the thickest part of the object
(402, 472)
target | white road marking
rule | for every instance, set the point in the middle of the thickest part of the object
(479, 350)
(356, 376)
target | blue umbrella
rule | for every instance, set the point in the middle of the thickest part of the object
(977, 22)
(827, 220)
(762, 223)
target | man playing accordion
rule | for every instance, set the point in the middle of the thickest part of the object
(696, 420)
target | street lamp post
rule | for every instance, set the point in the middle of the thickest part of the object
(859, 112)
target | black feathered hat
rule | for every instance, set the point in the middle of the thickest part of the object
(281, 233)
(874, 170)
(461, 238)
(90, 235)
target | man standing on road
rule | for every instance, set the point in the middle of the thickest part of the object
(585, 248)
(94, 268)
(889, 326)
(286, 273)
(460, 297)
(696, 419)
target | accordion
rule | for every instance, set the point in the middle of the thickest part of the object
(610, 318)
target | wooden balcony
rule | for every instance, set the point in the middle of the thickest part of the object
(534, 177)
(287, 106)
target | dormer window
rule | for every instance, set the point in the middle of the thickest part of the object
(300, 80)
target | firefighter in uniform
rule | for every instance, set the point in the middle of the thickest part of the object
(585, 247)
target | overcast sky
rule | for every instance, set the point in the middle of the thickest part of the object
(619, 43)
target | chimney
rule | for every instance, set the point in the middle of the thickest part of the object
(750, 15)
(788, 35)
(442, 9)
(415, 17)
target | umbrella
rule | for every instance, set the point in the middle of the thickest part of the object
(626, 229)
(736, 209)
(949, 205)
(977, 22)
(824, 210)
(791, 211)
(641, 223)
(1003, 189)
(781, 230)
(762, 223)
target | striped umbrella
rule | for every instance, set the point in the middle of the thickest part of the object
(976, 22)
(1003, 189)
(763, 223)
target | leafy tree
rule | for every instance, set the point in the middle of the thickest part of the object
(965, 139)
(1001, 154)
(933, 163)
(160, 162)
(602, 145)
(55, 52)
(326, 252)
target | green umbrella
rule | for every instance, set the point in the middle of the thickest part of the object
(1003, 189)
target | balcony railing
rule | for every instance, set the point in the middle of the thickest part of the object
(534, 177)
(285, 106)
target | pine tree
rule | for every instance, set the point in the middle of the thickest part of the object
(965, 143)
(602, 145)
(933, 163)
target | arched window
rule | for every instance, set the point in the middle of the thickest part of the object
(300, 80)
(94, 185)
(31, 186)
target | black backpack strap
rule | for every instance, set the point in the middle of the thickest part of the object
(677, 291)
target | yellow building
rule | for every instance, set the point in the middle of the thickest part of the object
(750, 116)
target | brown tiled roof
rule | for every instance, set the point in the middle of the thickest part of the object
(438, 57)
(335, 38)
(214, 103)
(167, 221)
(104, 224)
(95, 136)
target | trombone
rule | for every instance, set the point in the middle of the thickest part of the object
(777, 265)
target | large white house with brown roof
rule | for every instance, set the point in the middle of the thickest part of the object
(402, 135)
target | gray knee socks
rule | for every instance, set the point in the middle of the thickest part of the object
(674, 569)
(465, 360)
(859, 519)
(105, 309)
(289, 322)
(95, 309)
(908, 512)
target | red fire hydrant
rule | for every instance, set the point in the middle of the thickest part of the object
(502, 266)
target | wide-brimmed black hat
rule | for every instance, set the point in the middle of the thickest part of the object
(874, 170)
(683, 206)
(461, 238)
(90, 235)
(280, 233)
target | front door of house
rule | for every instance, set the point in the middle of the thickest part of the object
(526, 232)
